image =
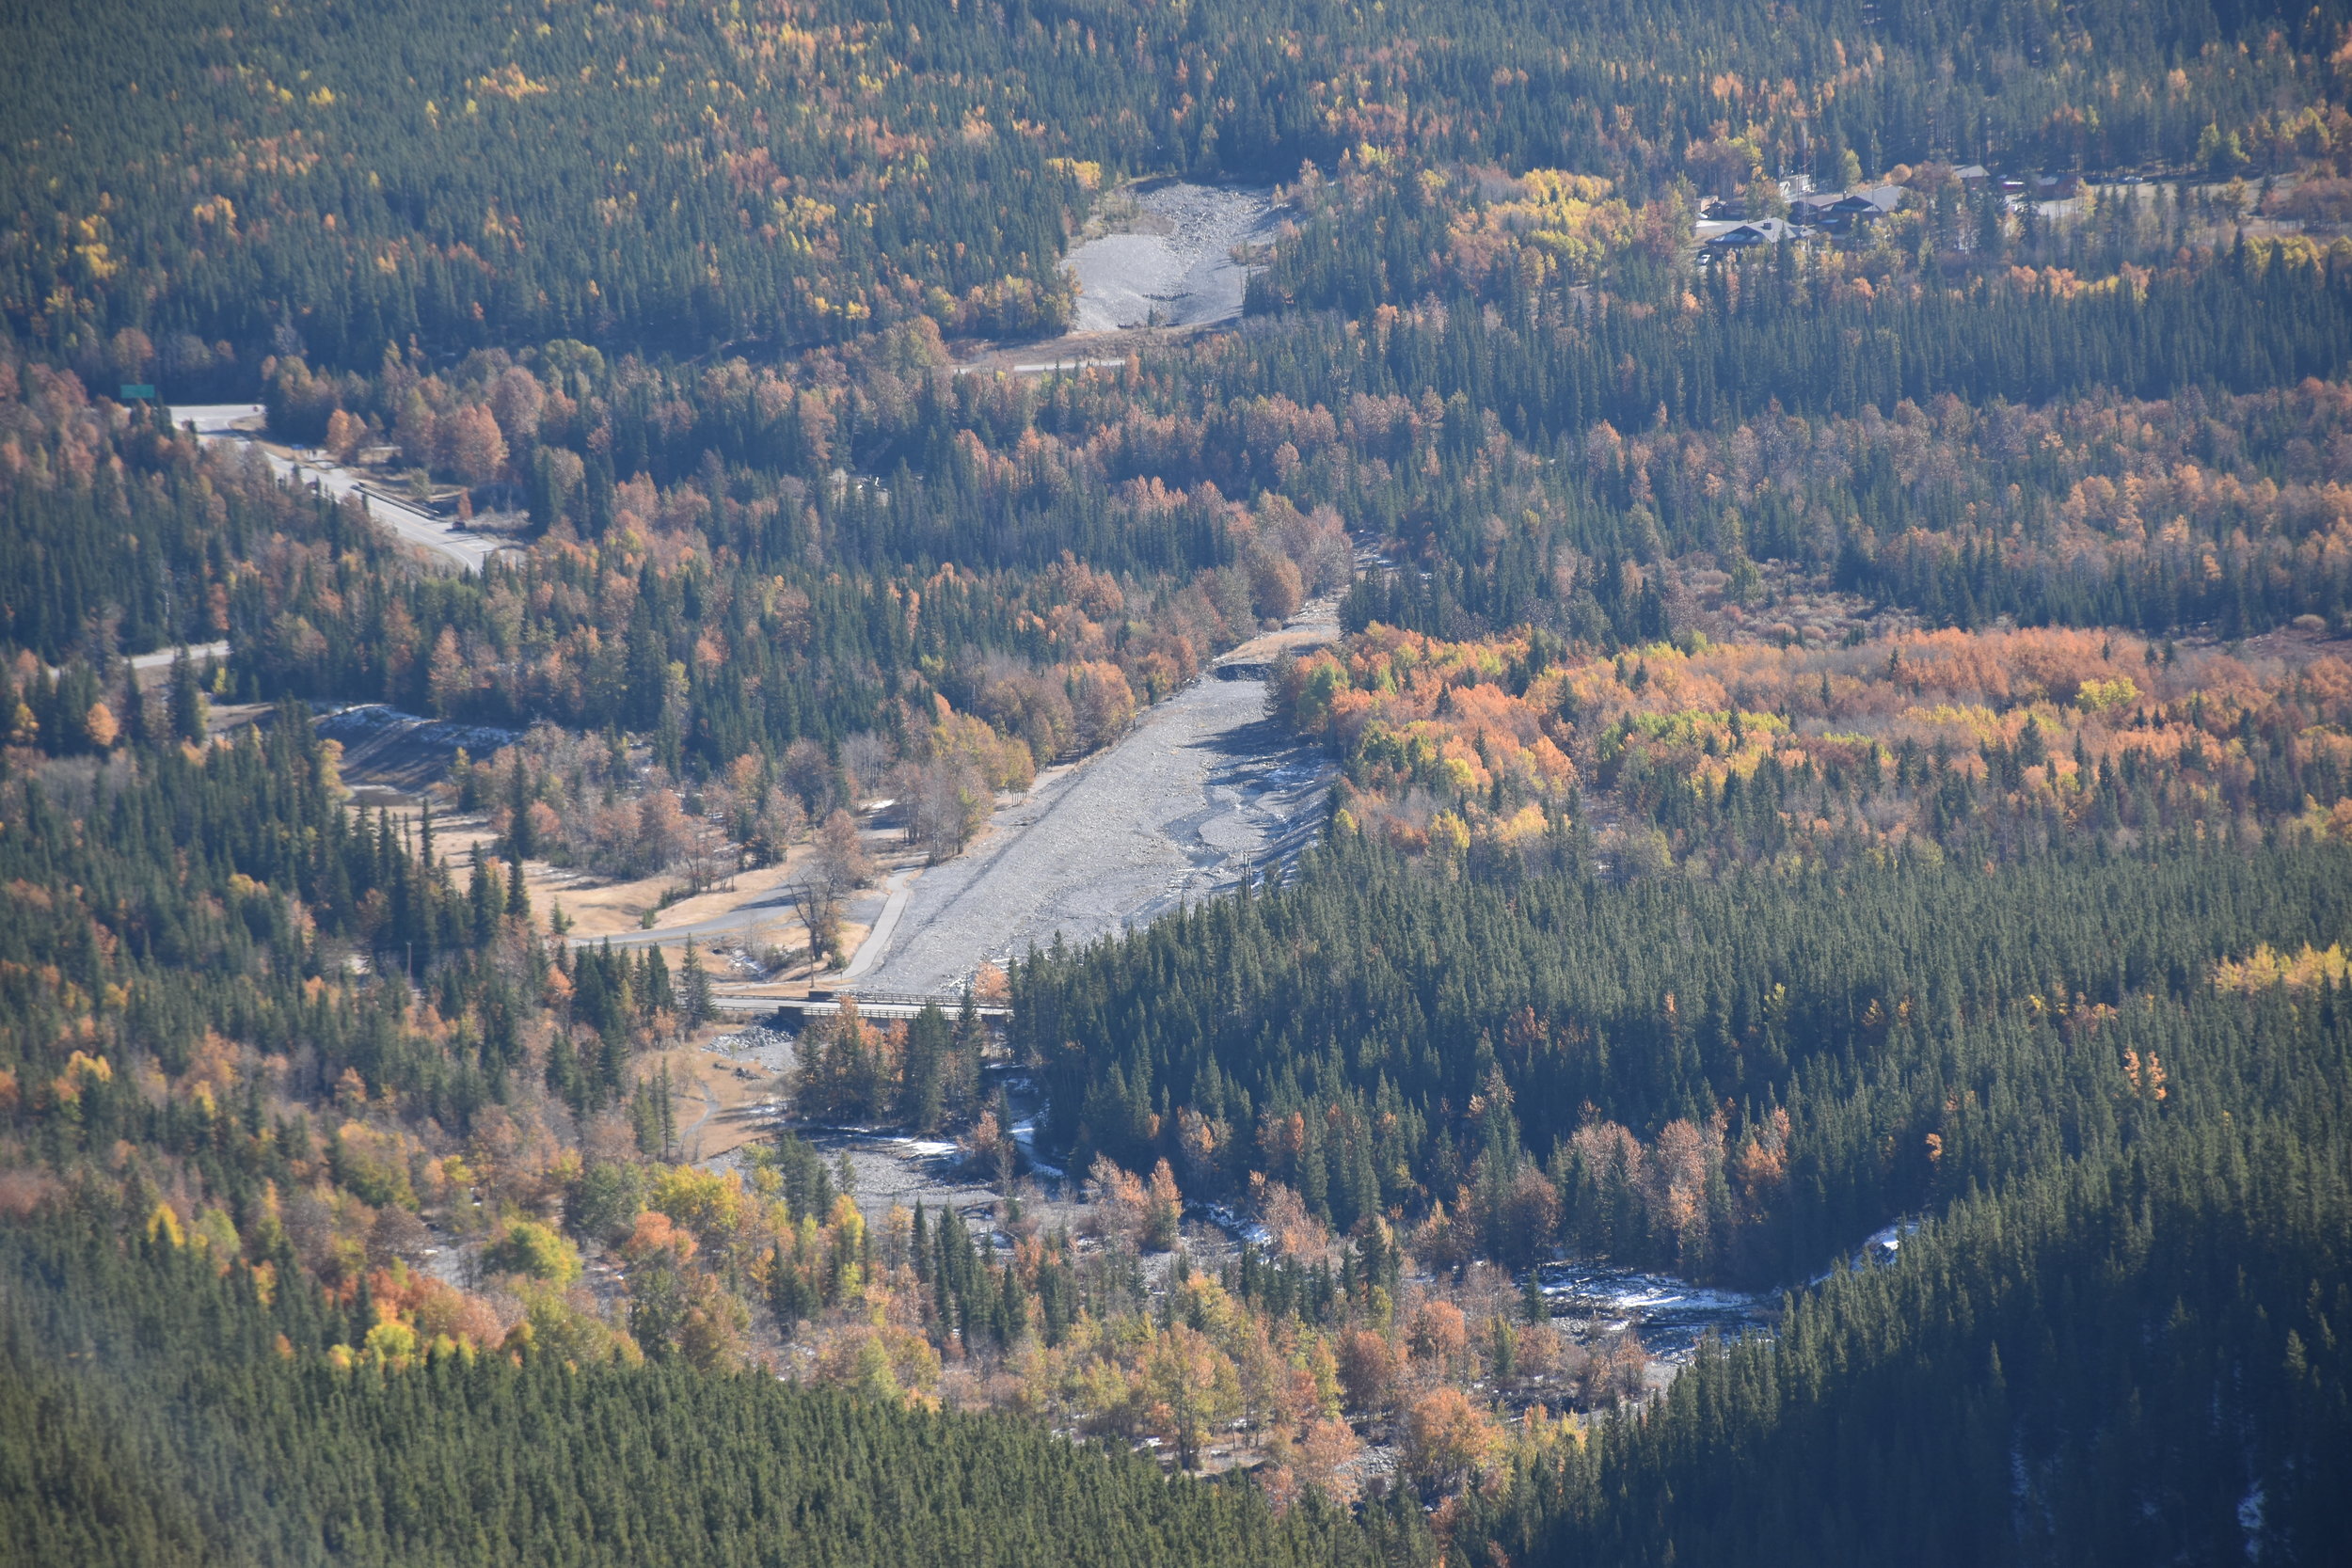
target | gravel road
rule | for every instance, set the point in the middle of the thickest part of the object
(1206, 786)
(217, 422)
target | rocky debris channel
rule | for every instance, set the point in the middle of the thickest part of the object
(1175, 267)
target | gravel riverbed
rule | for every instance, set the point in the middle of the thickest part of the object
(1205, 789)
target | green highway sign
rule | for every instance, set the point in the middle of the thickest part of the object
(138, 389)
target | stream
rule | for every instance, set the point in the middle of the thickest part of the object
(1669, 1315)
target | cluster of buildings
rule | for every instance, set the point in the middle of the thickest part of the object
(1834, 212)
(1841, 213)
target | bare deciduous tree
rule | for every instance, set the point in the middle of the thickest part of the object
(865, 761)
(705, 858)
(951, 801)
(836, 866)
(664, 833)
(809, 773)
(779, 826)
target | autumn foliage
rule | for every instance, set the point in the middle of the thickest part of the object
(1722, 752)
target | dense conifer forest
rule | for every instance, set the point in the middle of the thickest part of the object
(336, 177)
(1838, 518)
(146, 1390)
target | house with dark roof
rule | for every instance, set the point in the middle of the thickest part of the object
(1837, 213)
(1752, 233)
(1867, 205)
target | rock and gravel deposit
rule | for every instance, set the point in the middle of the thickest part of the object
(389, 749)
(1177, 269)
(1205, 790)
